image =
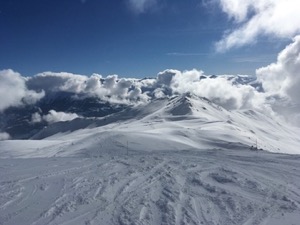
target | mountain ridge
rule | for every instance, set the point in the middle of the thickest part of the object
(179, 122)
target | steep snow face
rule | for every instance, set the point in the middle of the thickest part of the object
(180, 106)
(195, 107)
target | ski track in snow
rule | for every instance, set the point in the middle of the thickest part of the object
(178, 187)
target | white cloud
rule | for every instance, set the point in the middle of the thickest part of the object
(36, 118)
(111, 88)
(165, 77)
(221, 90)
(278, 79)
(135, 93)
(168, 82)
(53, 116)
(140, 6)
(4, 136)
(254, 18)
(130, 91)
(14, 92)
(282, 80)
(283, 77)
(93, 83)
(50, 81)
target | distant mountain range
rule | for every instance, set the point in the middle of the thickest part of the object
(18, 122)
(184, 120)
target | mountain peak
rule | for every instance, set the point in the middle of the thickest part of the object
(188, 103)
(180, 105)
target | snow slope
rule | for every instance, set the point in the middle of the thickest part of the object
(178, 187)
(180, 160)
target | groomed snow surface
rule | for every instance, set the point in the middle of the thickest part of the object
(175, 161)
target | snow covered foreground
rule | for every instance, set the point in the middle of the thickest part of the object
(178, 187)
(182, 160)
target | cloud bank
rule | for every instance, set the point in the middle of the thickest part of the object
(224, 90)
(282, 80)
(112, 88)
(255, 18)
(221, 89)
(53, 117)
(14, 92)
(275, 90)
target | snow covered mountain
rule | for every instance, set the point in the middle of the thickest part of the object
(178, 160)
(179, 122)
(173, 160)
(21, 122)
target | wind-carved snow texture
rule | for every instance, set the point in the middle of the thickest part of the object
(186, 187)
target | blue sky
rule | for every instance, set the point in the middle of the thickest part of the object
(118, 37)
